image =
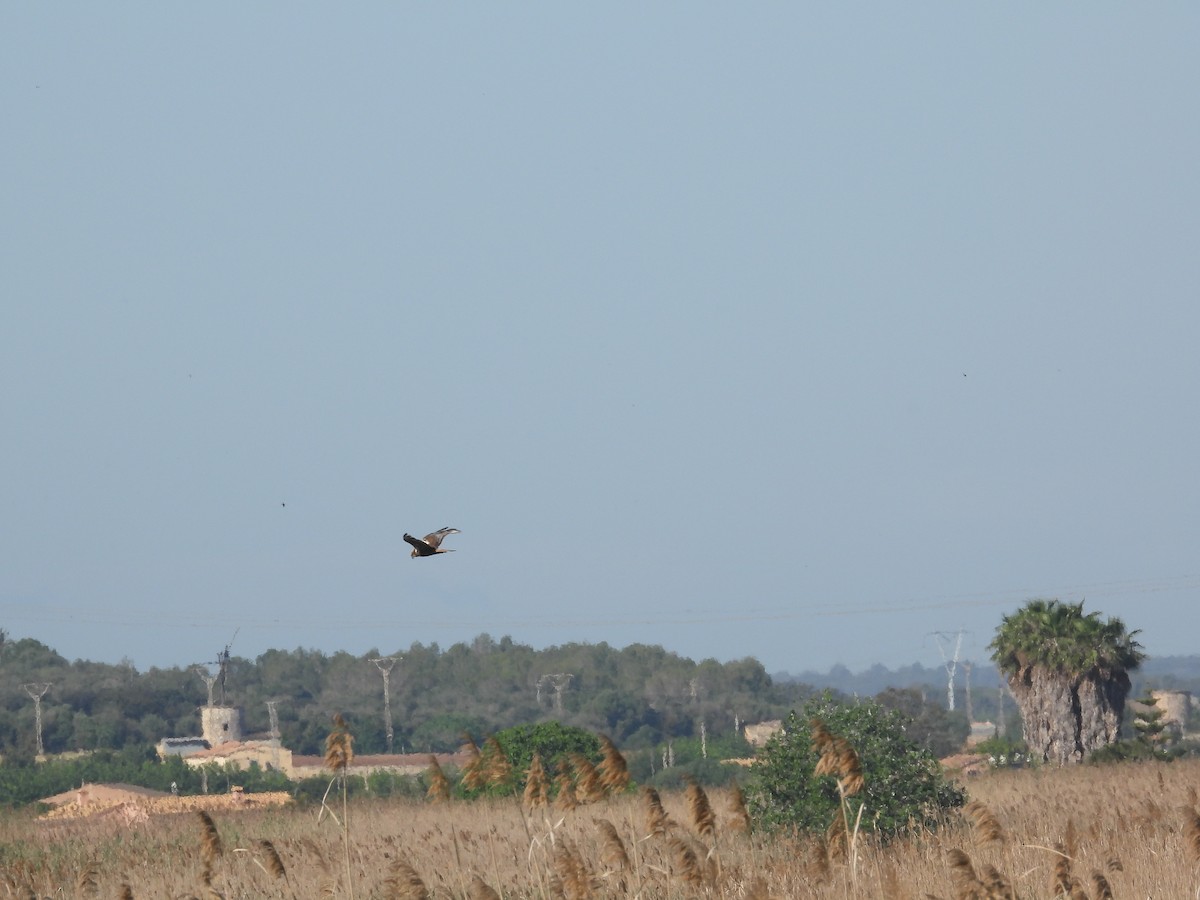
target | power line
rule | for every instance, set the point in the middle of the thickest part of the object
(819, 608)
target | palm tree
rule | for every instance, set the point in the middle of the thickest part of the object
(1069, 673)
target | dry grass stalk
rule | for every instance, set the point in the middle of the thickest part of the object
(87, 882)
(537, 785)
(210, 840)
(703, 817)
(614, 770)
(339, 753)
(314, 851)
(757, 890)
(837, 840)
(1191, 832)
(988, 829)
(613, 852)
(339, 746)
(817, 867)
(838, 759)
(439, 784)
(588, 786)
(403, 883)
(481, 890)
(657, 820)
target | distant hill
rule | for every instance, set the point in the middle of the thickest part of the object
(1161, 672)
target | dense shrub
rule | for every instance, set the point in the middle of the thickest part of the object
(550, 740)
(903, 784)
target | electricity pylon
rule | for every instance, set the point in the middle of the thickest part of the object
(950, 664)
(559, 681)
(385, 664)
(37, 691)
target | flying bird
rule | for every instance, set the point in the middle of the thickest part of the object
(431, 544)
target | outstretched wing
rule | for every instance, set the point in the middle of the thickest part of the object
(423, 548)
(434, 539)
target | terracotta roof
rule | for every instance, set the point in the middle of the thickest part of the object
(228, 747)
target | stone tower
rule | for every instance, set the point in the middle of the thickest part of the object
(219, 724)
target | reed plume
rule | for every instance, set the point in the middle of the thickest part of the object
(274, 862)
(480, 890)
(1071, 839)
(703, 817)
(967, 885)
(339, 746)
(838, 759)
(439, 784)
(737, 805)
(613, 851)
(614, 770)
(497, 770)
(210, 839)
(404, 883)
(537, 785)
(474, 773)
(565, 798)
(1061, 878)
(987, 827)
(571, 871)
(686, 863)
(588, 786)
(998, 887)
(1191, 832)
(657, 820)
(339, 753)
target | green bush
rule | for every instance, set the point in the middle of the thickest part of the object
(550, 740)
(904, 786)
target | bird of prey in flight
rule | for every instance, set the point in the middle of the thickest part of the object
(431, 544)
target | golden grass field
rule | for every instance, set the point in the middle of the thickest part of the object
(1127, 831)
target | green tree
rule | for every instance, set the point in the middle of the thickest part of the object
(903, 784)
(1148, 724)
(1069, 672)
(550, 740)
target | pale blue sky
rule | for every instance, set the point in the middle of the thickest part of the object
(789, 330)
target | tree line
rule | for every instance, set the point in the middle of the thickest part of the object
(642, 696)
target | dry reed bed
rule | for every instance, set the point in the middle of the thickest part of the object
(1044, 833)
